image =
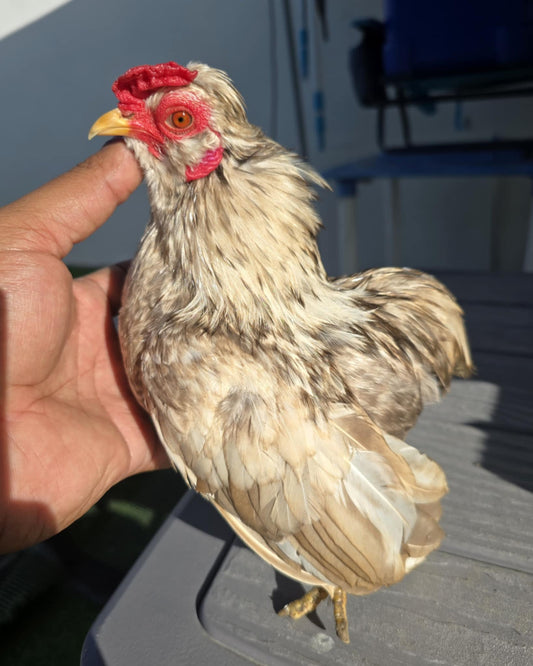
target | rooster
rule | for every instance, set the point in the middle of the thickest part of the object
(281, 395)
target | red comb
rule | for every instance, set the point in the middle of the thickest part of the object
(140, 82)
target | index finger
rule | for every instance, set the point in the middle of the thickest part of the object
(71, 207)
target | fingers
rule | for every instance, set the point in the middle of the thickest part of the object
(111, 281)
(71, 207)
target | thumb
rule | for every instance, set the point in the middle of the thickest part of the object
(71, 207)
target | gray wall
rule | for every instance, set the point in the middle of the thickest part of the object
(56, 75)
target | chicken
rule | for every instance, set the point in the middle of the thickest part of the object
(281, 395)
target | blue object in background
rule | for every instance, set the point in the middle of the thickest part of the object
(303, 40)
(320, 120)
(436, 37)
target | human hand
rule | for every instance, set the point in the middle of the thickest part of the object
(69, 426)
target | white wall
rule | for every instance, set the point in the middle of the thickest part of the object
(18, 13)
(57, 71)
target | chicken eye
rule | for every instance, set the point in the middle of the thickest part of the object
(180, 119)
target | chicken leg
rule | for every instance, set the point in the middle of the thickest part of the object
(309, 602)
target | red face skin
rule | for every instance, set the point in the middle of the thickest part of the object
(179, 115)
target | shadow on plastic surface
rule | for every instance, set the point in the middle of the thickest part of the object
(288, 590)
(91, 653)
(499, 319)
(203, 516)
(508, 453)
(508, 446)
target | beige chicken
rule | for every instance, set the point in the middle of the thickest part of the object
(281, 395)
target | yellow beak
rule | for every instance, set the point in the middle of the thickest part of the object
(111, 123)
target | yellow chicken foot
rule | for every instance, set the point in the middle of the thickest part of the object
(310, 600)
(304, 605)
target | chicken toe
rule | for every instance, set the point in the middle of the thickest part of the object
(304, 605)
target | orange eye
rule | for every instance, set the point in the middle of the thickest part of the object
(180, 119)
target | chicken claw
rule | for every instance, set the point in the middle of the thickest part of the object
(309, 602)
(304, 605)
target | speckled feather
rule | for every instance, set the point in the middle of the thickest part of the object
(281, 395)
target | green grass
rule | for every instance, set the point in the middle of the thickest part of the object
(51, 628)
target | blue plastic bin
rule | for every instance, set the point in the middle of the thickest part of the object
(426, 38)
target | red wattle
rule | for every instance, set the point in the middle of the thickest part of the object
(208, 164)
